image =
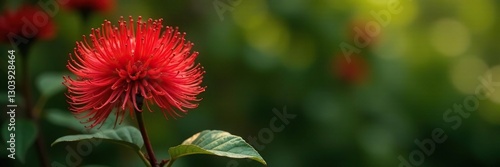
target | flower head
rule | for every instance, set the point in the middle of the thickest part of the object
(119, 66)
(26, 22)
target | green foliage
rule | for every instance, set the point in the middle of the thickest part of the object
(215, 142)
(64, 119)
(67, 119)
(128, 136)
(50, 83)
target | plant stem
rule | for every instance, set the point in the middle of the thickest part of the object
(145, 137)
(144, 159)
(169, 163)
(25, 84)
(28, 98)
(163, 162)
(37, 109)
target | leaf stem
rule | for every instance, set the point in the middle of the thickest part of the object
(144, 159)
(163, 162)
(142, 128)
(169, 163)
(37, 110)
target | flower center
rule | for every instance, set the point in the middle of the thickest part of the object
(136, 70)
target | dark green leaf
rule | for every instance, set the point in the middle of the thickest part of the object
(50, 83)
(64, 119)
(216, 142)
(68, 120)
(127, 135)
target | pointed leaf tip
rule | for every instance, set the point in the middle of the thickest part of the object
(216, 142)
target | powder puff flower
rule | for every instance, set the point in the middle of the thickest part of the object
(122, 67)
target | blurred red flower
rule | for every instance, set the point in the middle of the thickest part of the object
(353, 72)
(122, 65)
(28, 22)
(90, 5)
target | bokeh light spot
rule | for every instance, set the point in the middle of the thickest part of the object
(464, 74)
(483, 16)
(450, 37)
(495, 75)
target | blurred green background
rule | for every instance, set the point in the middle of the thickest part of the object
(260, 55)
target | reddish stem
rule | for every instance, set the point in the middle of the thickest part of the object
(144, 133)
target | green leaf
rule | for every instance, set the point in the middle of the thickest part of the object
(24, 132)
(64, 119)
(215, 142)
(127, 135)
(68, 120)
(50, 83)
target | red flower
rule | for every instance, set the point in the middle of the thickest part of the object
(27, 22)
(122, 63)
(90, 5)
(353, 72)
